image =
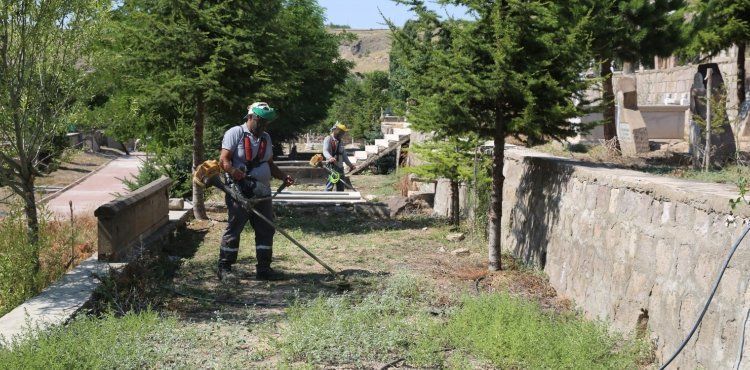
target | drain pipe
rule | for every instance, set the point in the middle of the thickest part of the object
(710, 297)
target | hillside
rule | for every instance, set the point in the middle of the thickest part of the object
(370, 51)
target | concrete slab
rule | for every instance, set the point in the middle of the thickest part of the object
(383, 143)
(361, 154)
(56, 304)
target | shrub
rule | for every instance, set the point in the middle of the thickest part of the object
(514, 333)
(61, 246)
(91, 343)
(175, 164)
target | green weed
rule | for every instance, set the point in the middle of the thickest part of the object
(492, 329)
(61, 246)
(91, 343)
(350, 329)
(514, 333)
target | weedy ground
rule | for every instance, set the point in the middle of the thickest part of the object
(411, 303)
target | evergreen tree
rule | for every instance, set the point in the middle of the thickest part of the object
(628, 31)
(198, 64)
(719, 25)
(359, 104)
(450, 158)
(514, 70)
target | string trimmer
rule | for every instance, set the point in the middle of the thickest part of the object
(208, 174)
(333, 175)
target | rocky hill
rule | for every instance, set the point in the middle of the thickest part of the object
(369, 50)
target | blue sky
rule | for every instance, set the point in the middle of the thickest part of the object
(364, 13)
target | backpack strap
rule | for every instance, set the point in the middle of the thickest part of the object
(250, 161)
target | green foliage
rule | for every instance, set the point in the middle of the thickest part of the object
(175, 164)
(91, 343)
(452, 159)
(515, 70)
(502, 329)
(718, 25)
(159, 59)
(44, 47)
(497, 328)
(349, 329)
(340, 26)
(632, 30)
(58, 241)
(719, 117)
(359, 104)
(17, 279)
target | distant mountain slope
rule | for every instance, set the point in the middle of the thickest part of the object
(370, 51)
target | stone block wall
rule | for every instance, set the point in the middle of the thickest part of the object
(124, 222)
(629, 248)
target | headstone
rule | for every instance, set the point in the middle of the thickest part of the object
(631, 129)
(723, 145)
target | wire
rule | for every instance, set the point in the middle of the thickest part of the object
(742, 341)
(710, 297)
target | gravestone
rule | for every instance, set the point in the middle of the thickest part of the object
(723, 145)
(631, 129)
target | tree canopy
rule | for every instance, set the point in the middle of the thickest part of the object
(515, 70)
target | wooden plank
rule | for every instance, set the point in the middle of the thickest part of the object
(370, 160)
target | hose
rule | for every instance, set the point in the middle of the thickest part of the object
(742, 341)
(710, 296)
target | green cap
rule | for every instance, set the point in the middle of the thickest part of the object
(262, 110)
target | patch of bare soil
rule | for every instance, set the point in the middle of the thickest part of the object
(241, 320)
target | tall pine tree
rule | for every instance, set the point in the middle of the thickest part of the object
(202, 62)
(514, 71)
(719, 25)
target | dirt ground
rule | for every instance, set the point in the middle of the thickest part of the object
(237, 324)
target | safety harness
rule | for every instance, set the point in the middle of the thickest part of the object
(253, 162)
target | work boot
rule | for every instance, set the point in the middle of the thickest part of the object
(268, 273)
(263, 268)
(225, 274)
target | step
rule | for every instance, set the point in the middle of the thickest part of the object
(372, 149)
(392, 137)
(383, 143)
(402, 131)
(361, 154)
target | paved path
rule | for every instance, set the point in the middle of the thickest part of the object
(97, 189)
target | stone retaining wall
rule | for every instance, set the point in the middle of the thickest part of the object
(633, 249)
(124, 223)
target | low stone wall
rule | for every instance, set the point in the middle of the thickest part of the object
(633, 249)
(124, 222)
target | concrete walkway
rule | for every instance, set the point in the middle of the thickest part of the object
(96, 189)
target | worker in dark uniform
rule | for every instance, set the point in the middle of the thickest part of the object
(247, 158)
(335, 155)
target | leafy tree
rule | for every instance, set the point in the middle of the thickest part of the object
(450, 158)
(201, 63)
(628, 31)
(360, 103)
(514, 70)
(718, 25)
(44, 47)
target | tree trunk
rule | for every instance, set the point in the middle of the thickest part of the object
(32, 220)
(455, 206)
(740, 75)
(496, 201)
(199, 207)
(608, 101)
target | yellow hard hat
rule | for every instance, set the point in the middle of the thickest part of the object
(340, 126)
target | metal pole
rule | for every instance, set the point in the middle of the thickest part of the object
(707, 154)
